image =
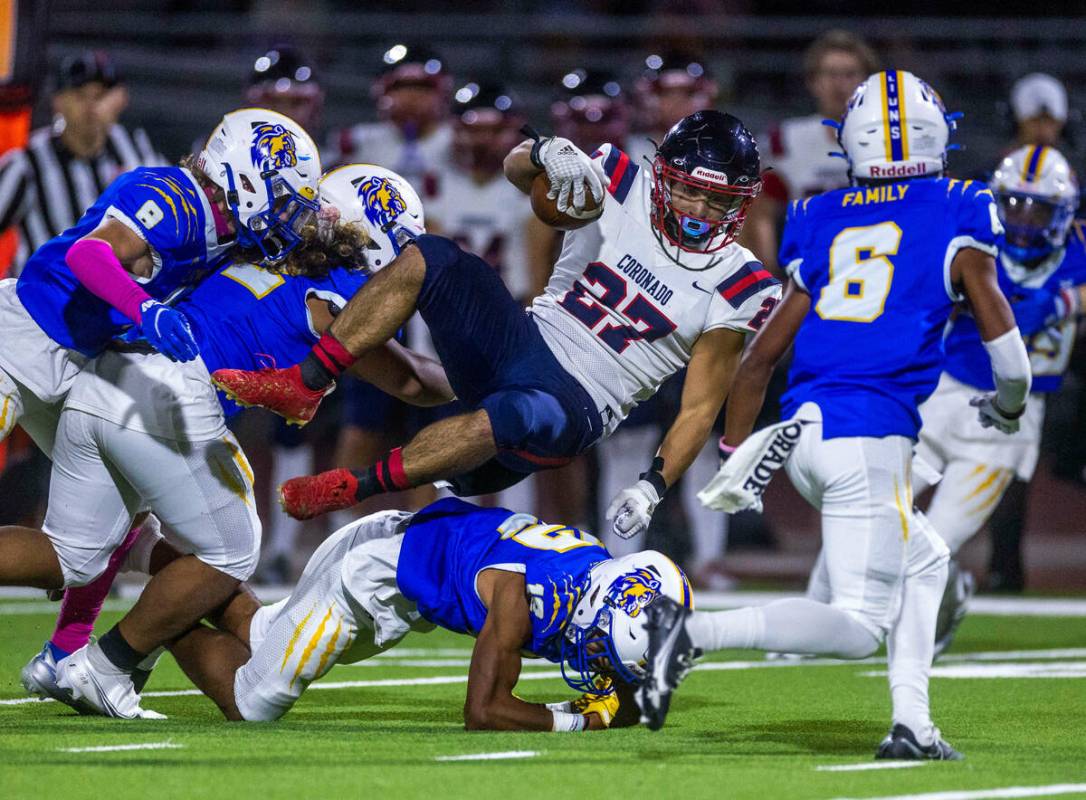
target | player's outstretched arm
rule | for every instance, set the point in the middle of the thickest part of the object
(768, 347)
(975, 273)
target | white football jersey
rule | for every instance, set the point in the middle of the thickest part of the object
(623, 308)
(421, 162)
(487, 219)
(798, 151)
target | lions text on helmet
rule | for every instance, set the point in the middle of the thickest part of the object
(268, 167)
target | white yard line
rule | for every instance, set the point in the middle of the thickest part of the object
(984, 794)
(870, 765)
(1036, 669)
(111, 748)
(491, 756)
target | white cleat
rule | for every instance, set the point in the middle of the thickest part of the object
(39, 678)
(110, 694)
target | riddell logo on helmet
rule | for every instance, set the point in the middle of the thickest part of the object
(710, 175)
(899, 171)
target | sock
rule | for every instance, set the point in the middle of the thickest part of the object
(325, 362)
(818, 585)
(387, 475)
(786, 626)
(911, 644)
(57, 653)
(121, 655)
(283, 529)
(83, 604)
(142, 672)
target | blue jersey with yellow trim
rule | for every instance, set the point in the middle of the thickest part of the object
(1032, 295)
(876, 262)
(448, 543)
(167, 209)
(244, 317)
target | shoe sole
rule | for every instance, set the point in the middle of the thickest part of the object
(301, 423)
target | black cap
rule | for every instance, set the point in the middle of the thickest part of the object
(90, 66)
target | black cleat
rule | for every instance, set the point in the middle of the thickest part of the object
(900, 744)
(670, 657)
(960, 588)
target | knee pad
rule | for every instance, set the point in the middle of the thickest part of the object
(529, 422)
(79, 566)
(865, 643)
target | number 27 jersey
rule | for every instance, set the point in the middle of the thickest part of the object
(875, 261)
(623, 308)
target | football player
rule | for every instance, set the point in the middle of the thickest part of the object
(521, 587)
(138, 431)
(876, 271)
(655, 284)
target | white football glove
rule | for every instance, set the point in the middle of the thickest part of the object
(568, 170)
(632, 509)
(992, 416)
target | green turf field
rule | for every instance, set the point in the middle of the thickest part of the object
(740, 728)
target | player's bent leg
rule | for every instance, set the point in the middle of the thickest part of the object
(211, 658)
(440, 451)
(346, 607)
(27, 558)
(965, 498)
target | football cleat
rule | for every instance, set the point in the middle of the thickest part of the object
(39, 678)
(313, 495)
(960, 588)
(278, 390)
(109, 694)
(670, 657)
(901, 744)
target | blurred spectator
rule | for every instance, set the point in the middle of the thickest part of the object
(412, 96)
(672, 86)
(46, 186)
(1039, 106)
(796, 151)
(284, 79)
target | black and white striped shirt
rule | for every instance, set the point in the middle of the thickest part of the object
(44, 189)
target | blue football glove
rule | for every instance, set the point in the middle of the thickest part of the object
(167, 330)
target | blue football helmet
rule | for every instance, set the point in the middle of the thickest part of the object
(1036, 195)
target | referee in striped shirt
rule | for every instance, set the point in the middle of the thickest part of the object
(46, 186)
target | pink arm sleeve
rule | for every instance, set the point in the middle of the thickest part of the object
(95, 265)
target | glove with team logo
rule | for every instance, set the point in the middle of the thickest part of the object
(167, 330)
(568, 170)
(992, 416)
(605, 706)
(632, 509)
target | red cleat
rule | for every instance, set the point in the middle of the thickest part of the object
(279, 390)
(313, 495)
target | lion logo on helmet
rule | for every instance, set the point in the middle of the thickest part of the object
(273, 147)
(382, 200)
(633, 591)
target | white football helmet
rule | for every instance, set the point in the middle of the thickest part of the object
(381, 201)
(268, 167)
(895, 126)
(1036, 194)
(607, 636)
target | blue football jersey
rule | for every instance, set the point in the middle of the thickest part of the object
(1032, 295)
(448, 543)
(244, 317)
(166, 208)
(876, 263)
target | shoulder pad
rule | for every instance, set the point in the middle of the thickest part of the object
(745, 282)
(619, 169)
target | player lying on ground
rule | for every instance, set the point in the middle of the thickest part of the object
(876, 271)
(654, 285)
(519, 586)
(1042, 271)
(138, 431)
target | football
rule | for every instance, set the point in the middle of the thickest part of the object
(546, 208)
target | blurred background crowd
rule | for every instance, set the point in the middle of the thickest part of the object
(439, 96)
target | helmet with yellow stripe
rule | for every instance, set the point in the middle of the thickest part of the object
(895, 127)
(606, 636)
(1036, 195)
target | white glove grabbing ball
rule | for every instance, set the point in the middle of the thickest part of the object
(568, 170)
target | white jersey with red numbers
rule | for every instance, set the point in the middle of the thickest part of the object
(798, 151)
(488, 219)
(623, 308)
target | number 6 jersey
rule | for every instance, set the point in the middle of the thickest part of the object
(623, 308)
(876, 262)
